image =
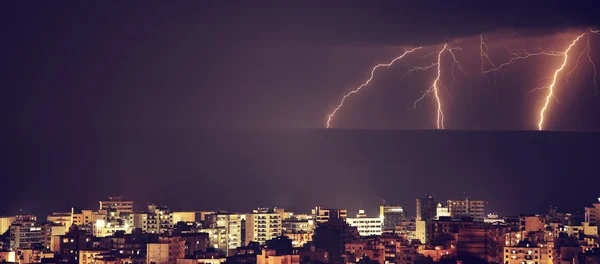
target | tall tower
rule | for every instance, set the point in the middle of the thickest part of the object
(426, 208)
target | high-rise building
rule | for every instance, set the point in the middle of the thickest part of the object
(262, 225)
(367, 226)
(117, 203)
(25, 234)
(392, 216)
(322, 215)
(231, 225)
(426, 208)
(467, 208)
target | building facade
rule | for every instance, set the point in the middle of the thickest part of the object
(467, 208)
(367, 226)
(392, 216)
(322, 215)
(262, 225)
(426, 208)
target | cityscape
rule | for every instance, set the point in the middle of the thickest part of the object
(440, 231)
(300, 132)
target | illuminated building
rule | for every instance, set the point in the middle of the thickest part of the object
(262, 225)
(30, 255)
(426, 208)
(167, 250)
(5, 222)
(25, 234)
(392, 216)
(421, 231)
(467, 208)
(184, 217)
(114, 221)
(156, 220)
(592, 214)
(322, 215)
(270, 256)
(231, 226)
(117, 203)
(163, 216)
(441, 211)
(146, 221)
(7, 256)
(527, 252)
(61, 219)
(217, 237)
(299, 230)
(50, 233)
(72, 242)
(367, 226)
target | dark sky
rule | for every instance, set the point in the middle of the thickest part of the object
(204, 104)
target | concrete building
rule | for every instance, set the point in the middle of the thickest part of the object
(271, 257)
(262, 225)
(231, 225)
(183, 217)
(392, 216)
(322, 215)
(26, 234)
(51, 232)
(367, 226)
(426, 208)
(61, 218)
(467, 208)
(441, 211)
(167, 251)
(592, 214)
(5, 222)
(117, 203)
(217, 237)
(33, 255)
(7, 256)
(421, 231)
(300, 231)
(527, 252)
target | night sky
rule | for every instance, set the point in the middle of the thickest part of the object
(222, 104)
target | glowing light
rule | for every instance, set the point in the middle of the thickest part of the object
(523, 55)
(435, 89)
(332, 114)
(551, 86)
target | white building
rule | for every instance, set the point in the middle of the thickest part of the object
(367, 226)
(442, 211)
(262, 225)
(231, 226)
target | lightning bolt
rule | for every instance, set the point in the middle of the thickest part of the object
(483, 48)
(520, 56)
(435, 88)
(551, 86)
(593, 64)
(332, 114)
